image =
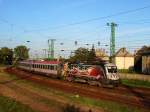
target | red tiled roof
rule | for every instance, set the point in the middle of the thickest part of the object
(46, 62)
(41, 62)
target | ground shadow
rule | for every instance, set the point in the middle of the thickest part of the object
(16, 79)
(142, 98)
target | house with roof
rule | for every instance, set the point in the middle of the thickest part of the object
(146, 62)
(101, 54)
(123, 59)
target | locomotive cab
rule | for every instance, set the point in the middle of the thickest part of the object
(111, 74)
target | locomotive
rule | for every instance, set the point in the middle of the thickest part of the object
(100, 74)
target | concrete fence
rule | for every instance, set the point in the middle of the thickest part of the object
(135, 76)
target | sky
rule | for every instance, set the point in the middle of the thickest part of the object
(67, 21)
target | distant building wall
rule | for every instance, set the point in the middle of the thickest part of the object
(146, 64)
(134, 76)
(124, 62)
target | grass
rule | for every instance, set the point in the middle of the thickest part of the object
(10, 105)
(136, 83)
(108, 106)
(126, 71)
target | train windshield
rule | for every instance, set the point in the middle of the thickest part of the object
(112, 69)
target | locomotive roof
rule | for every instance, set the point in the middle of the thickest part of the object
(110, 64)
(40, 62)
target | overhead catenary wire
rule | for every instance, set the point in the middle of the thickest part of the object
(94, 19)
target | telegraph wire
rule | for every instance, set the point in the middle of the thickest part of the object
(95, 19)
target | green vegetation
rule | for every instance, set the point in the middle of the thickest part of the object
(108, 106)
(71, 108)
(136, 83)
(21, 52)
(131, 70)
(10, 105)
(6, 56)
(83, 55)
(73, 99)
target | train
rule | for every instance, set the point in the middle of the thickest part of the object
(99, 74)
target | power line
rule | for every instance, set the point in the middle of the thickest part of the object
(95, 19)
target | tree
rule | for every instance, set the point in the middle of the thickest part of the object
(21, 52)
(6, 56)
(83, 55)
(91, 54)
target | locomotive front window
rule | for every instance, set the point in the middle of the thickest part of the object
(112, 69)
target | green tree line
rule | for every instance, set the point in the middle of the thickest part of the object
(7, 55)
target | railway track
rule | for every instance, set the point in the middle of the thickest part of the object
(138, 97)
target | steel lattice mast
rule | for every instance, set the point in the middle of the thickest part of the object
(51, 48)
(112, 39)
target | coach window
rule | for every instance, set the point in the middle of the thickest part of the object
(48, 66)
(54, 67)
(80, 67)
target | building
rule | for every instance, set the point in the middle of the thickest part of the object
(100, 53)
(146, 63)
(123, 59)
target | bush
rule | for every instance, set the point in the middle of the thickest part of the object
(71, 108)
(130, 70)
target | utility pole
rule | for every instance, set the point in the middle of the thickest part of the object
(44, 51)
(112, 39)
(51, 48)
